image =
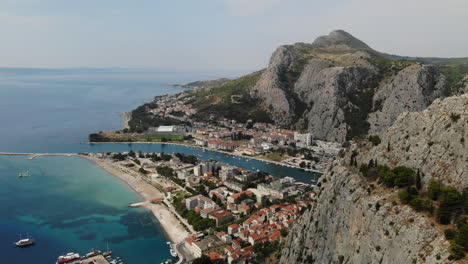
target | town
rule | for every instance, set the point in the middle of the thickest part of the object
(230, 214)
(262, 141)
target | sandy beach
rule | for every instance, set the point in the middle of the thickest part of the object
(171, 225)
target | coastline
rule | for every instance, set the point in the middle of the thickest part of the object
(126, 116)
(171, 226)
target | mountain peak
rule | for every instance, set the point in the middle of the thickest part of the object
(340, 37)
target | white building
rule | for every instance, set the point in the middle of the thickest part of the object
(303, 140)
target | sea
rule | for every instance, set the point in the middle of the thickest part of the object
(69, 204)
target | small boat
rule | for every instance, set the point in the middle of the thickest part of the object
(67, 258)
(25, 242)
(24, 174)
(92, 253)
(173, 253)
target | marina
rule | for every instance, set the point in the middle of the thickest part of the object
(94, 257)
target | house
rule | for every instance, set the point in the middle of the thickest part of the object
(192, 181)
(232, 229)
(200, 201)
(222, 217)
(206, 212)
(234, 186)
(235, 198)
(303, 140)
(201, 142)
(209, 244)
(250, 151)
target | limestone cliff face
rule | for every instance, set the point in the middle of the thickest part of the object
(270, 89)
(464, 85)
(354, 221)
(349, 225)
(434, 141)
(412, 89)
(336, 89)
(327, 90)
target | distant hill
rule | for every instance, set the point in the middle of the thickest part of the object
(203, 84)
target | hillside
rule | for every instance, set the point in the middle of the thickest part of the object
(337, 87)
(369, 213)
(203, 84)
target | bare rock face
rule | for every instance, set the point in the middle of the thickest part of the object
(270, 89)
(327, 90)
(464, 85)
(354, 221)
(412, 89)
(340, 38)
(349, 225)
(435, 141)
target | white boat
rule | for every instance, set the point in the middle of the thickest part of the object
(173, 253)
(24, 174)
(68, 257)
(25, 242)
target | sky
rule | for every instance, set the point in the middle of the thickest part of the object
(233, 35)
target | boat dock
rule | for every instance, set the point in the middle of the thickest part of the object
(35, 155)
(99, 259)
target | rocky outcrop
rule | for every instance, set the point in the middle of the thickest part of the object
(435, 141)
(327, 87)
(356, 221)
(271, 90)
(463, 85)
(412, 89)
(340, 39)
(352, 223)
(328, 91)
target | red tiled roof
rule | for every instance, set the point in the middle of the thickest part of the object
(213, 255)
(220, 214)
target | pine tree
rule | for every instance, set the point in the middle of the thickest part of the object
(418, 181)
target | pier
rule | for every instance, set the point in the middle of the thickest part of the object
(99, 259)
(35, 155)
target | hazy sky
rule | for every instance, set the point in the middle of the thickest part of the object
(235, 35)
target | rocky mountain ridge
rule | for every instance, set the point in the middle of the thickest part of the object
(355, 220)
(338, 88)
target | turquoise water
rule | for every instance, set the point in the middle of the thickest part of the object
(70, 205)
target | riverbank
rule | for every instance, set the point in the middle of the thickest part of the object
(170, 224)
(213, 150)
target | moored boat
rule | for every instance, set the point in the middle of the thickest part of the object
(24, 174)
(67, 258)
(25, 242)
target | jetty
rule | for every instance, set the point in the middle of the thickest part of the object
(35, 155)
(99, 259)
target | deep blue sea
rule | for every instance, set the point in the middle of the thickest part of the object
(69, 204)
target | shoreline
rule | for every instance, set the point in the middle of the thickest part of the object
(208, 149)
(172, 228)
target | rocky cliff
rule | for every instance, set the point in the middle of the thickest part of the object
(355, 220)
(339, 88)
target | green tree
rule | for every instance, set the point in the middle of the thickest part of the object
(204, 259)
(434, 189)
(462, 237)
